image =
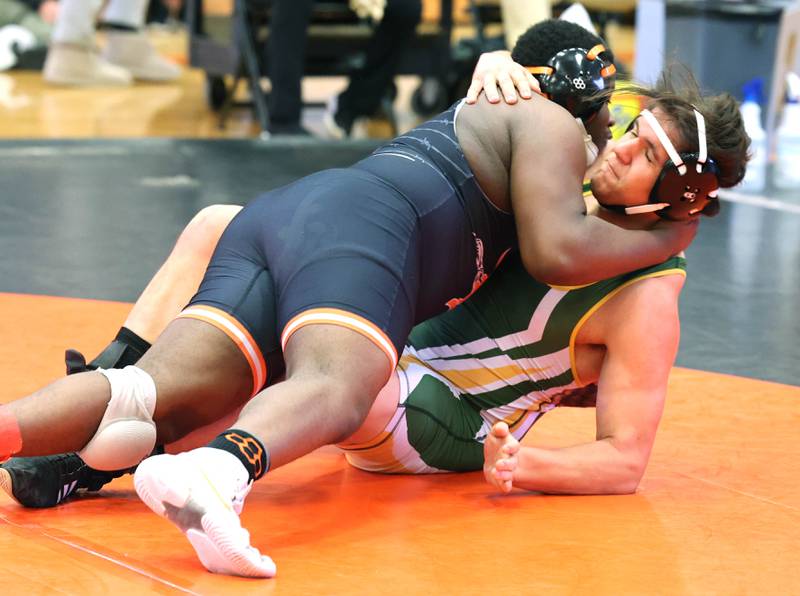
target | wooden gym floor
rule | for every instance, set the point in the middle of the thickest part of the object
(84, 223)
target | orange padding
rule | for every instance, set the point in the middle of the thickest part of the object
(595, 51)
(608, 71)
(545, 70)
(10, 436)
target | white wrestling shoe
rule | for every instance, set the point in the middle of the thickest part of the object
(202, 492)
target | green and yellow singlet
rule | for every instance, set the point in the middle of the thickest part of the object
(507, 353)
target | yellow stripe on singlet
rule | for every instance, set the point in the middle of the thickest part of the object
(481, 376)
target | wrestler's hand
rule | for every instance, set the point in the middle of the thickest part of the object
(368, 9)
(497, 69)
(500, 457)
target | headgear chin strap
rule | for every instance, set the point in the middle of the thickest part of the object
(574, 76)
(687, 182)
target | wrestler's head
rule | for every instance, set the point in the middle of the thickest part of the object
(627, 171)
(572, 66)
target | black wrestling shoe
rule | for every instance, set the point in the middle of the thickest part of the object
(126, 349)
(117, 354)
(46, 481)
(76, 362)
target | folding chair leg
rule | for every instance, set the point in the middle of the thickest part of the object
(248, 53)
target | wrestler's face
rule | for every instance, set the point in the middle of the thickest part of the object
(627, 170)
(599, 127)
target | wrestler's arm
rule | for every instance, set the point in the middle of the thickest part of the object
(177, 280)
(559, 244)
(497, 73)
(641, 343)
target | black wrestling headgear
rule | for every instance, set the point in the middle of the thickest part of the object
(573, 77)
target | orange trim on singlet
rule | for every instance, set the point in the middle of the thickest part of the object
(237, 333)
(341, 318)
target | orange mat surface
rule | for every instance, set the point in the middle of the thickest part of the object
(718, 511)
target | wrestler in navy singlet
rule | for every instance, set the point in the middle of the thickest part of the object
(377, 247)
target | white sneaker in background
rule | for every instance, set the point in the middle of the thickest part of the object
(134, 51)
(333, 129)
(202, 492)
(81, 66)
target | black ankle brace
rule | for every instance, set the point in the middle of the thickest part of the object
(247, 448)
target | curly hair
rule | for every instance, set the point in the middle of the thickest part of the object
(547, 38)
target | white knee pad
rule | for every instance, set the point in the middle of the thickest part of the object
(127, 433)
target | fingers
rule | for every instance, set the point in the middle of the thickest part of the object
(506, 84)
(533, 82)
(500, 430)
(506, 464)
(490, 88)
(503, 475)
(522, 83)
(501, 450)
(502, 480)
(474, 90)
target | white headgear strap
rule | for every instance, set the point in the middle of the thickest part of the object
(701, 140)
(665, 142)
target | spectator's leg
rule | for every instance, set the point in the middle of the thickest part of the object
(72, 58)
(368, 85)
(129, 47)
(286, 54)
(519, 16)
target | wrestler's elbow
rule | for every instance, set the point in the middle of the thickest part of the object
(629, 479)
(554, 266)
(627, 470)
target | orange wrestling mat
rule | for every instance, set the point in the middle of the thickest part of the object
(718, 511)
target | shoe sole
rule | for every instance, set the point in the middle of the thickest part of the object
(208, 535)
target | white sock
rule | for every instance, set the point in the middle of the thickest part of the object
(126, 12)
(75, 22)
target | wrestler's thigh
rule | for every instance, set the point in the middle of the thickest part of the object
(345, 359)
(200, 375)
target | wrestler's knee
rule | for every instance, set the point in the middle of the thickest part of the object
(127, 432)
(343, 406)
(200, 374)
(355, 406)
(201, 234)
(187, 400)
(338, 368)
